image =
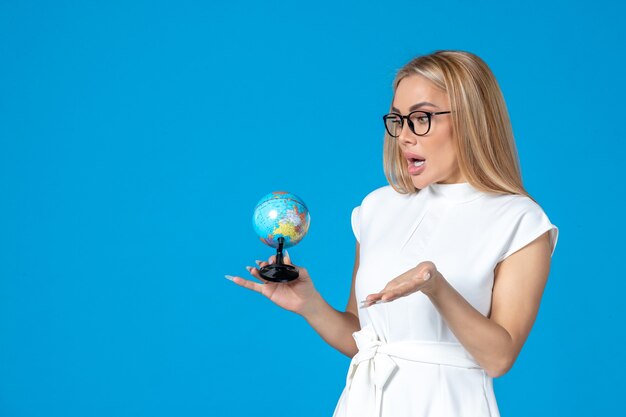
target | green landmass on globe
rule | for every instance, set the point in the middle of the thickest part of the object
(281, 214)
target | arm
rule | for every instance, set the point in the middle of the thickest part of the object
(334, 326)
(496, 341)
(301, 297)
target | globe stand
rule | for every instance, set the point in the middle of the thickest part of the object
(278, 271)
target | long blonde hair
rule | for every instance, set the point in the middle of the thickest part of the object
(483, 136)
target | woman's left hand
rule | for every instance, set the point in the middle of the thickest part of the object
(423, 278)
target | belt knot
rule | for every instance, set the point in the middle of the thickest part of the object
(378, 368)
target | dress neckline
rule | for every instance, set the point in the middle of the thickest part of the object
(459, 192)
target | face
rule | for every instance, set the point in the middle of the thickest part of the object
(437, 146)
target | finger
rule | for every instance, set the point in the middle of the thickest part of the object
(405, 285)
(389, 296)
(272, 259)
(399, 290)
(251, 285)
(396, 293)
(256, 273)
(371, 299)
(375, 296)
(381, 297)
(394, 285)
(286, 258)
(366, 305)
(370, 303)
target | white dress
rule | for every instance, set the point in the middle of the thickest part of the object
(409, 362)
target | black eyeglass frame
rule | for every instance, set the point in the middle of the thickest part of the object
(429, 114)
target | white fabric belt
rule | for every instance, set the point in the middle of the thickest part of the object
(372, 366)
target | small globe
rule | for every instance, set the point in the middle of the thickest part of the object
(280, 213)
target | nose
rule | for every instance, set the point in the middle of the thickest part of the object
(407, 137)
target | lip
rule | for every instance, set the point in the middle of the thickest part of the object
(413, 170)
(412, 156)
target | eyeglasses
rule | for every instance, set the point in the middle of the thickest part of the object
(419, 122)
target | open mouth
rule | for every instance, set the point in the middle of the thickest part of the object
(416, 162)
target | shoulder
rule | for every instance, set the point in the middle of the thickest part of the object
(519, 220)
(382, 195)
(511, 205)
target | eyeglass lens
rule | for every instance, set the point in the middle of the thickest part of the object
(418, 122)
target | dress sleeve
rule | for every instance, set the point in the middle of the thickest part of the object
(356, 222)
(528, 226)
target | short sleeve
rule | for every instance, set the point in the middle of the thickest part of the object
(528, 226)
(356, 223)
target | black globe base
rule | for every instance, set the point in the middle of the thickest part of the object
(278, 271)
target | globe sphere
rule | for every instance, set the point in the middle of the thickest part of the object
(281, 214)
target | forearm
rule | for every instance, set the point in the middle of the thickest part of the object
(487, 341)
(334, 326)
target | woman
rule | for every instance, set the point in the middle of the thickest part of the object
(451, 257)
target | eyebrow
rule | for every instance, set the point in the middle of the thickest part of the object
(417, 106)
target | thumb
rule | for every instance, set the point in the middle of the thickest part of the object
(286, 257)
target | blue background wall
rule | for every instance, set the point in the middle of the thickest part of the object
(136, 138)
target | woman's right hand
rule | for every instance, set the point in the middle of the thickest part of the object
(297, 295)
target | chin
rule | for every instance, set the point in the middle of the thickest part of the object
(420, 183)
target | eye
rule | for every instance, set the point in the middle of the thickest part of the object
(393, 121)
(420, 118)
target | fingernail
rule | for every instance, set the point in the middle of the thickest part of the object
(249, 268)
(286, 253)
(230, 277)
(427, 276)
(258, 263)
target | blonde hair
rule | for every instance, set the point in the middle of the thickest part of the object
(483, 136)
